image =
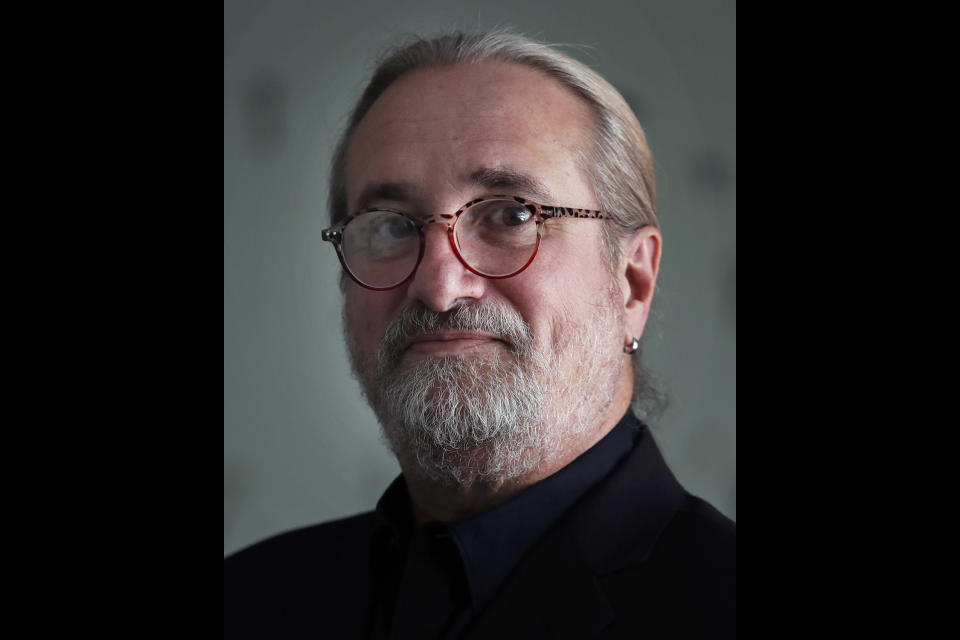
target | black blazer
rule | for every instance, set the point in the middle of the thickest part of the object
(636, 557)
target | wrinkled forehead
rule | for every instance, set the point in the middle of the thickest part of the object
(438, 126)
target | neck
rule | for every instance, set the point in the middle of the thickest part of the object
(435, 501)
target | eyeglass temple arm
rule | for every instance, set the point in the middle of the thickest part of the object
(571, 212)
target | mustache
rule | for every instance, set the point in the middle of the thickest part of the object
(488, 317)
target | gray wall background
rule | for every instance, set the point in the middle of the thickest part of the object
(300, 446)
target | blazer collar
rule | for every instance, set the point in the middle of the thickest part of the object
(553, 592)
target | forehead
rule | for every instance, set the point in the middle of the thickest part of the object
(435, 128)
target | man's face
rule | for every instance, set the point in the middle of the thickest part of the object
(439, 138)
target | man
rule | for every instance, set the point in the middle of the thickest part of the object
(493, 207)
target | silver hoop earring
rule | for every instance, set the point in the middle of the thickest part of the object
(634, 346)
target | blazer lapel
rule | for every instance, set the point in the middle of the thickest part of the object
(554, 592)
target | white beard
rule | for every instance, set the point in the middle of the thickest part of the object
(486, 417)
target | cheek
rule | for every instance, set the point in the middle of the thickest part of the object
(366, 315)
(564, 294)
(547, 301)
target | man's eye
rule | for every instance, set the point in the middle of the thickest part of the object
(504, 216)
(393, 228)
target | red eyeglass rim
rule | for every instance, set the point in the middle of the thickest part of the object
(541, 211)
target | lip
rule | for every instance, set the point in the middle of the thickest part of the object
(450, 342)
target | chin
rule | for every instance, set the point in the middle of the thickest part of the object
(463, 419)
(483, 468)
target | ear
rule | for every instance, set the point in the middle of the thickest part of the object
(640, 264)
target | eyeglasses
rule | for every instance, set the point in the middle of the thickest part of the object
(494, 237)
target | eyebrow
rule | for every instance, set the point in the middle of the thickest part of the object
(515, 182)
(402, 191)
(511, 181)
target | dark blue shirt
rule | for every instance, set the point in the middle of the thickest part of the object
(434, 578)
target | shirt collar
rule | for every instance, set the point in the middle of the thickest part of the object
(493, 542)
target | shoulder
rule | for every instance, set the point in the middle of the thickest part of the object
(700, 534)
(303, 544)
(687, 580)
(276, 583)
(302, 550)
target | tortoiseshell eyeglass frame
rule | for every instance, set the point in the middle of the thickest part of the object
(541, 212)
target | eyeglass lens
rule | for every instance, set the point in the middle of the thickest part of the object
(381, 248)
(495, 237)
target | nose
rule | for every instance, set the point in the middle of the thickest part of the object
(442, 282)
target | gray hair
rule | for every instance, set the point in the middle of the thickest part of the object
(618, 163)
